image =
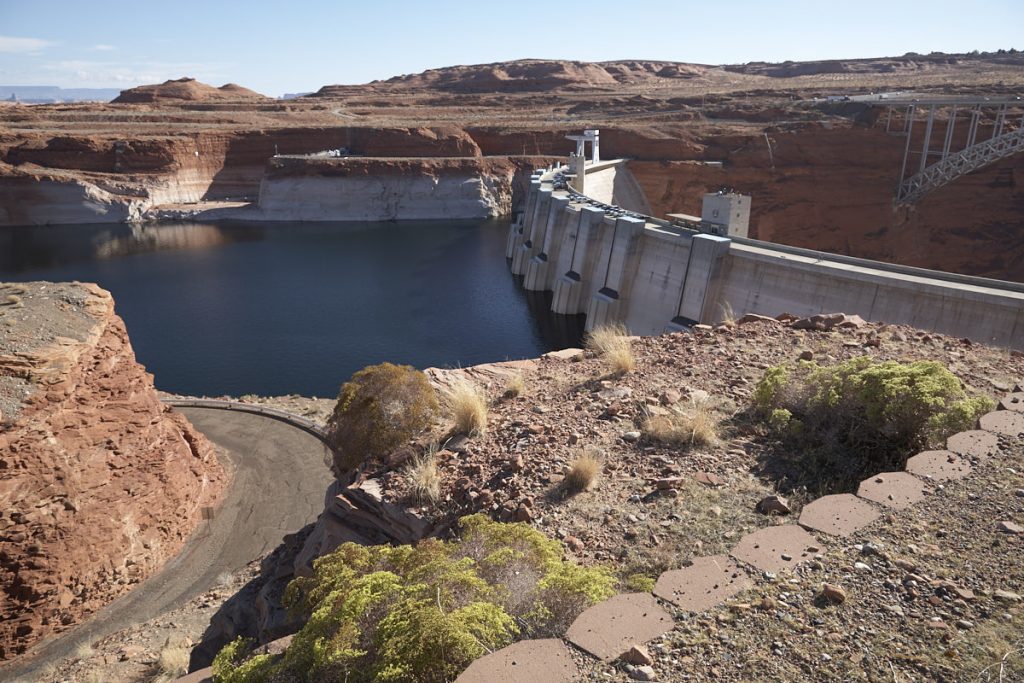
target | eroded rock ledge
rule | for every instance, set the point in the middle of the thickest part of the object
(100, 483)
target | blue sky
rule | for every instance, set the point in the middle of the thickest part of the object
(278, 47)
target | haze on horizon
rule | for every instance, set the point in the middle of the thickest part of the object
(260, 45)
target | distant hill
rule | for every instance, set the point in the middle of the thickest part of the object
(186, 90)
(541, 75)
(46, 94)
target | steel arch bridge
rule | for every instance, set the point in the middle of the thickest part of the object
(990, 129)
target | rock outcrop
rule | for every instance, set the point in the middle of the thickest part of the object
(100, 483)
(186, 89)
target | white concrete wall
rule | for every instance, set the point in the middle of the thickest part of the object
(611, 182)
(391, 197)
(761, 280)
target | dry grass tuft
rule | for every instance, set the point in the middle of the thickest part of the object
(84, 650)
(728, 314)
(612, 343)
(468, 406)
(516, 386)
(173, 661)
(584, 471)
(424, 480)
(694, 425)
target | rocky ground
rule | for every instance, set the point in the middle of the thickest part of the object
(922, 587)
(155, 650)
(930, 593)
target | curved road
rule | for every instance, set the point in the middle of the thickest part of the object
(278, 484)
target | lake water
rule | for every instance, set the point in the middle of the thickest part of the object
(297, 308)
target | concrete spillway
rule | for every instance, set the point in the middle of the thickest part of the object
(620, 266)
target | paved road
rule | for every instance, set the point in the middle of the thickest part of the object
(277, 488)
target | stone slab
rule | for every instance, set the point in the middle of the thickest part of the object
(840, 514)
(201, 676)
(1014, 401)
(608, 629)
(708, 582)
(939, 465)
(528, 661)
(897, 490)
(570, 354)
(775, 548)
(974, 443)
(1005, 422)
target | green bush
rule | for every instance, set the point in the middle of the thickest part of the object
(421, 614)
(861, 417)
(379, 409)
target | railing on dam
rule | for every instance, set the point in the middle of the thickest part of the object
(614, 264)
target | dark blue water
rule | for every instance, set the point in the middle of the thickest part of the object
(297, 308)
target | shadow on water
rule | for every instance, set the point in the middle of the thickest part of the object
(558, 331)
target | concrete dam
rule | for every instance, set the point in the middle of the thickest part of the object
(600, 254)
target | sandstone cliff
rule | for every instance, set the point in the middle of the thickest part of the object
(100, 483)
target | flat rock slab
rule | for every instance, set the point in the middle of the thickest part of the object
(974, 443)
(939, 465)
(528, 661)
(608, 629)
(1014, 401)
(897, 490)
(840, 514)
(1006, 422)
(565, 354)
(708, 582)
(201, 676)
(775, 548)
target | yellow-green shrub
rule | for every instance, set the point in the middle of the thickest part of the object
(378, 409)
(421, 614)
(862, 416)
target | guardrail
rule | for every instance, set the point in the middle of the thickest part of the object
(307, 425)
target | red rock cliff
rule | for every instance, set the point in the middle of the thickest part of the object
(100, 483)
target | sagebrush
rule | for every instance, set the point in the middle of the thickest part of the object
(378, 409)
(421, 614)
(862, 416)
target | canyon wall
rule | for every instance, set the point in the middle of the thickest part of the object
(100, 483)
(833, 190)
(358, 189)
(825, 185)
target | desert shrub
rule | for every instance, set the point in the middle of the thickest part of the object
(421, 614)
(693, 425)
(378, 409)
(584, 471)
(637, 582)
(612, 343)
(235, 663)
(468, 407)
(861, 417)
